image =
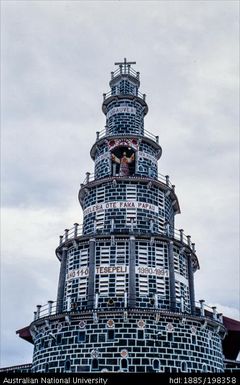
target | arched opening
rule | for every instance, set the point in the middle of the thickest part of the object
(110, 335)
(184, 367)
(156, 365)
(204, 368)
(94, 364)
(124, 364)
(67, 365)
(123, 161)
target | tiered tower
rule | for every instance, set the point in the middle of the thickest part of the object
(125, 297)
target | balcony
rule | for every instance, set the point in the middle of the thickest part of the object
(107, 131)
(90, 177)
(78, 231)
(201, 310)
(125, 69)
(117, 92)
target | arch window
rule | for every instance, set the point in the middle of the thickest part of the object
(156, 365)
(67, 365)
(204, 368)
(140, 334)
(94, 364)
(184, 367)
(124, 364)
(110, 334)
(82, 336)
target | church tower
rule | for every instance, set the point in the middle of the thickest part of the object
(125, 299)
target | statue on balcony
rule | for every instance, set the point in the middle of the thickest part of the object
(124, 163)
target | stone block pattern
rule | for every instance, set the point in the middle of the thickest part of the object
(133, 342)
(125, 123)
(152, 276)
(118, 191)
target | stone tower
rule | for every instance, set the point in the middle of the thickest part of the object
(125, 298)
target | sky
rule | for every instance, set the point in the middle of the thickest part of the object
(56, 59)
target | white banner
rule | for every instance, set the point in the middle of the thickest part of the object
(146, 270)
(123, 109)
(120, 205)
(77, 273)
(84, 271)
(121, 269)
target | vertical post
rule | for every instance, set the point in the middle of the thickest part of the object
(112, 224)
(157, 139)
(97, 135)
(112, 240)
(125, 299)
(191, 284)
(181, 235)
(61, 281)
(132, 273)
(167, 229)
(66, 234)
(69, 303)
(189, 240)
(214, 313)
(87, 177)
(151, 225)
(167, 179)
(193, 247)
(138, 75)
(91, 276)
(202, 310)
(38, 310)
(171, 277)
(104, 96)
(220, 317)
(50, 304)
(34, 315)
(182, 304)
(173, 187)
(112, 75)
(120, 68)
(60, 240)
(96, 301)
(76, 230)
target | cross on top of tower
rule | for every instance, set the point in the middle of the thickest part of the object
(125, 63)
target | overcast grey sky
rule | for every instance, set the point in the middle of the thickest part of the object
(56, 58)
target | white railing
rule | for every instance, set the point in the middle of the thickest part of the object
(201, 309)
(124, 69)
(107, 131)
(77, 231)
(90, 177)
(116, 91)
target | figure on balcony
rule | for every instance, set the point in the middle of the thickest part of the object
(124, 163)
